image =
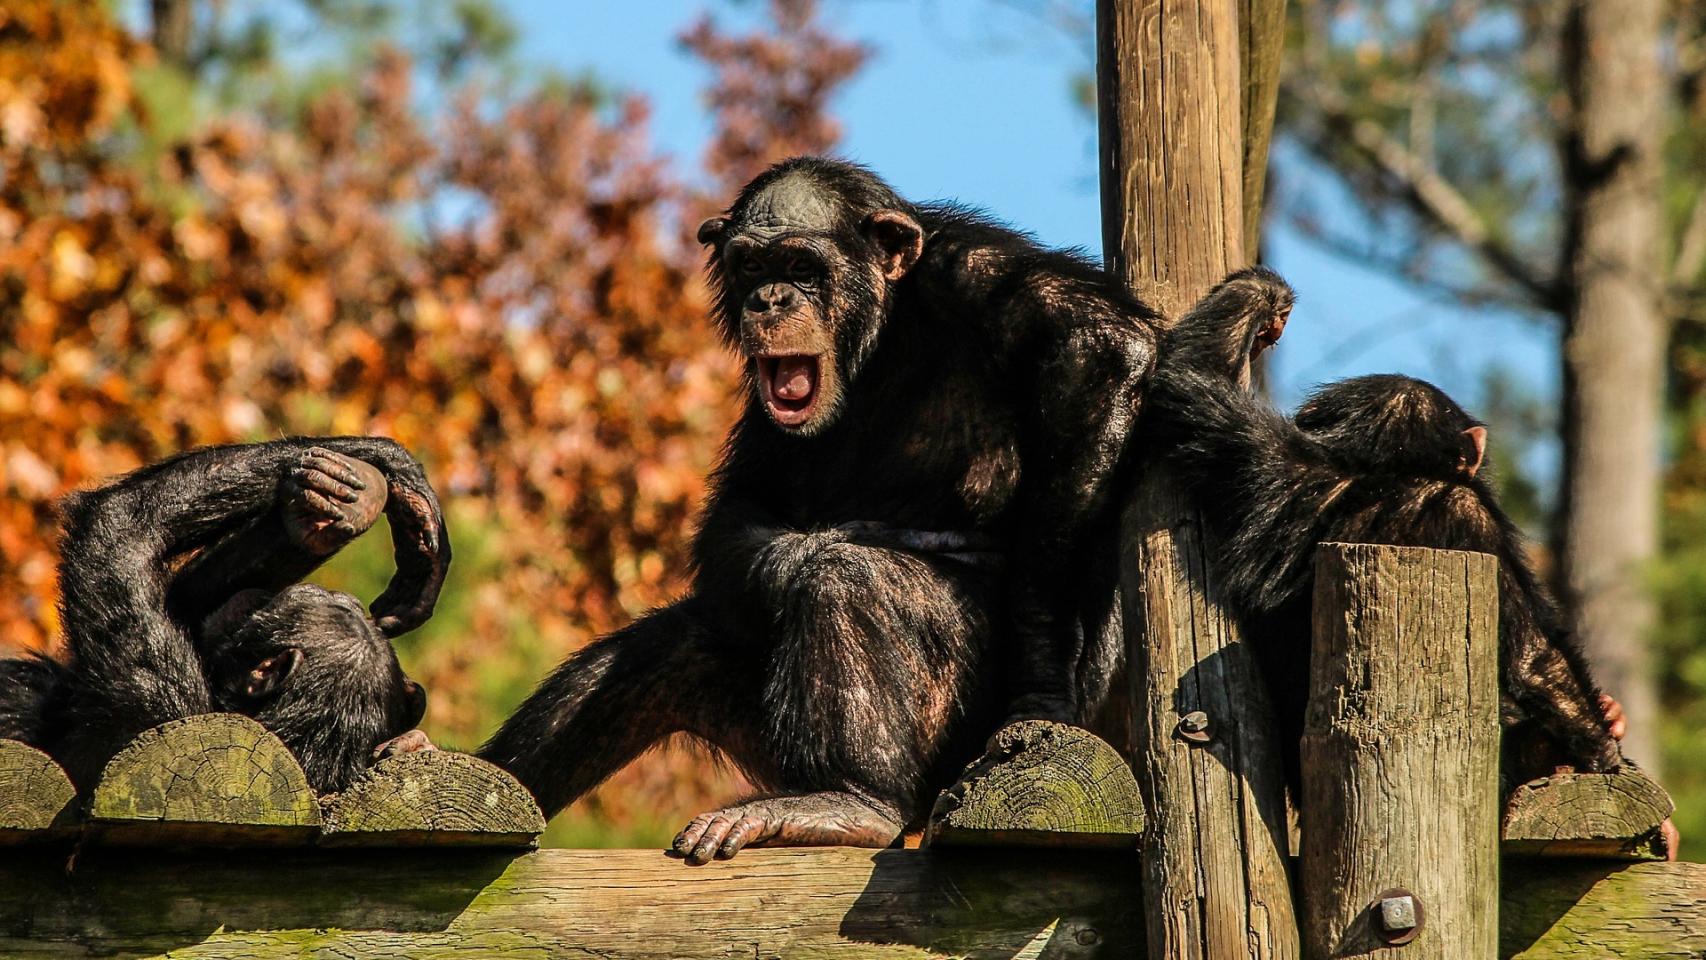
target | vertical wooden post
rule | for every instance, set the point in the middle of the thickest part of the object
(1176, 146)
(1401, 755)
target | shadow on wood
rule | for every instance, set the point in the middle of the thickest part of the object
(37, 800)
(1588, 815)
(1591, 910)
(213, 779)
(1041, 784)
(436, 798)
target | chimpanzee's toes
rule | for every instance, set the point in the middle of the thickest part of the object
(414, 741)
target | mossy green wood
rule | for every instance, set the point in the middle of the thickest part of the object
(1041, 784)
(1557, 909)
(212, 779)
(436, 798)
(800, 903)
(1588, 815)
(37, 801)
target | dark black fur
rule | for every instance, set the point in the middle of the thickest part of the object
(850, 623)
(179, 597)
(1376, 459)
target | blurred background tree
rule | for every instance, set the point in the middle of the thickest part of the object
(205, 240)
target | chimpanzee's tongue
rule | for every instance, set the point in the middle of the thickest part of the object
(795, 378)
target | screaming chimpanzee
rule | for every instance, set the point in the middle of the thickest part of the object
(1377, 459)
(927, 392)
(179, 596)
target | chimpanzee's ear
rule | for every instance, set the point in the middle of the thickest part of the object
(712, 230)
(899, 237)
(267, 677)
(1474, 450)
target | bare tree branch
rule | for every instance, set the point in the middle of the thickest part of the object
(1428, 194)
(1691, 251)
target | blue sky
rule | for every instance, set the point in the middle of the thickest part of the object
(971, 100)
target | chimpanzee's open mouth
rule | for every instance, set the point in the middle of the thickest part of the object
(790, 387)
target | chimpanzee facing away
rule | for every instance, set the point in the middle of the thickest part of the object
(928, 390)
(179, 596)
(1376, 459)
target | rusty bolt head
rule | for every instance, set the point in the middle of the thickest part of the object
(1397, 916)
(1194, 726)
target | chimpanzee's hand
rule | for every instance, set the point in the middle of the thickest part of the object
(329, 500)
(414, 741)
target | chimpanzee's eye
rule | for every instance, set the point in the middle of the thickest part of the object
(800, 268)
(750, 267)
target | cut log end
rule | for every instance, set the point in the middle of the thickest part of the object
(1615, 816)
(214, 779)
(37, 800)
(1041, 784)
(435, 798)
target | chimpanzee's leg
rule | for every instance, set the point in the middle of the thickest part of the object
(662, 674)
(875, 687)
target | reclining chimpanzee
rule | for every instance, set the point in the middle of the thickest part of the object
(1378, 459)
(179, 596)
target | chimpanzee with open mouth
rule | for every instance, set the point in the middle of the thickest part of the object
(900, 536)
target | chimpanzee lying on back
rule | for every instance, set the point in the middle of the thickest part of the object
(179, 596)
(1377, 459)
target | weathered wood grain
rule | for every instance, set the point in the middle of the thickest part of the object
(433, 904)
(1041, 784)
(37, 800)
(214, 779)
(436, 798)
(1597, 910)
(1401, 750)
(1588, 815)
(1214, 853)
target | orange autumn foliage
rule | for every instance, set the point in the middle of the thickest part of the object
(509, 289)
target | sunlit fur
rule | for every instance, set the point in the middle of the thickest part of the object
(1367, 460)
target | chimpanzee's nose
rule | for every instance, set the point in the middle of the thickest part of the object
(776, 297)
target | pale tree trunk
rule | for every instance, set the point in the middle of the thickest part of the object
(174, 27)
(1614, 346)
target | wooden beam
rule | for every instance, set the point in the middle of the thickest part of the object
(1401, 754)
(1588, 815)
(217, 778)
(1041, 785)
(1594, 910)
(434, 799)
(37, 801)
(1261, 35)
(438, 904)
(1214, 855)
(641, 905)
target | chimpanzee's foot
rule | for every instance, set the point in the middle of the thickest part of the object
(415, 741)
(809, 820)
(330, 499)
(1613, 713)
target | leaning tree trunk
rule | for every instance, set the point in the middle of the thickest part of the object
(1614, 345)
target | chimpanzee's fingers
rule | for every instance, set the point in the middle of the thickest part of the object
(746, 831)
(317, 502)
(313, 478)
(335, 465)
(421, 546)
(690, 834)
(706, 849)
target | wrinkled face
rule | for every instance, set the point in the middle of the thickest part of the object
(1396, 423)
(804, 287)
(310, 665)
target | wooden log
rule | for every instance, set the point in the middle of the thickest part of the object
(1214, 854)
(1594, 910)
(213, 779)
(440, 904)
(37, 800)
(1617, 816)
(438, 799)
(1041, 785)
(1401, 754)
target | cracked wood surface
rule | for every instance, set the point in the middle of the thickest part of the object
(437, 798)
(210, 779)
(1401, 750)
(1588, 814)
(37, 801)
(1041, 784)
